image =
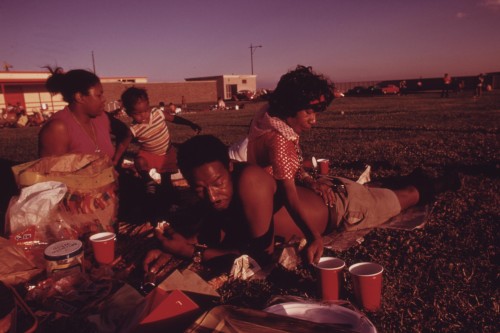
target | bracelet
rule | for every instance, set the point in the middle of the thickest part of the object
(199, 249)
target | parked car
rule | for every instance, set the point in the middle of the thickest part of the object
(338, 94)
(375, 90)
(244, 95)
(261, 94)
(364, 91)
(390, 89)
(356, 91)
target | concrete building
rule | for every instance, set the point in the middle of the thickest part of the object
(27, 89)
(228, 85)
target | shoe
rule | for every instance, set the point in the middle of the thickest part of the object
(449, 181)
(429, 188)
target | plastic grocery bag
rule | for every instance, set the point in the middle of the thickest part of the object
(33, 219)
(29, 217)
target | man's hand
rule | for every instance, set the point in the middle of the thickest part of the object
(155, 260)
(173, 242)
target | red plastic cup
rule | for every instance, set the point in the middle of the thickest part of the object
(103, 244)
(367, 283)
(324, 166)
(330, 277)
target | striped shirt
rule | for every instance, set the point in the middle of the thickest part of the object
(153, 137)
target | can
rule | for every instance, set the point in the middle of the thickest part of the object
(65, 255)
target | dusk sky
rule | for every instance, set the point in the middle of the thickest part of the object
(170, 40)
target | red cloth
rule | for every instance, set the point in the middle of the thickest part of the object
(162, 163)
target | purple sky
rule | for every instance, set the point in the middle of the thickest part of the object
(169, 40)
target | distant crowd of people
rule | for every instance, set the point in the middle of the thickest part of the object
(450, 85)
(15, 116)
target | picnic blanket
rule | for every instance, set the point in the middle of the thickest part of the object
(410, 219)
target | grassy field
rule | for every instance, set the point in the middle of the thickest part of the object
(442, 278)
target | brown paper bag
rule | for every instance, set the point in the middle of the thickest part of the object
(15, 267)
(90, 203)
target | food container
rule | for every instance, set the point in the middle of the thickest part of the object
(65, 256)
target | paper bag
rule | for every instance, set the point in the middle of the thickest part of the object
(90, 202)
(15, 267)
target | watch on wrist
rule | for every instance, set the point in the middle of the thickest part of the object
(199, 249)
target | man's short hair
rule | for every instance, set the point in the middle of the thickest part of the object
(131, 96)
(199, 150)
(296, 89)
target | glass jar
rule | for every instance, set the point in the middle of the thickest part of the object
(64, 256)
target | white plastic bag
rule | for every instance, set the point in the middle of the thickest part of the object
(238, 150)
(31, 216)
(244, 268)
(35, 203)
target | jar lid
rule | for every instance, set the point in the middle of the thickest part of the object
(63, 249)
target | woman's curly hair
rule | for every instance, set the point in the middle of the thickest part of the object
(296, 89)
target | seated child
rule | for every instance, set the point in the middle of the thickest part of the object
(150, 129)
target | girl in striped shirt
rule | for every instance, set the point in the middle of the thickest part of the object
(149, 129)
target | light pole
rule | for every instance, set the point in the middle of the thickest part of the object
(93, 61)
(252, 50)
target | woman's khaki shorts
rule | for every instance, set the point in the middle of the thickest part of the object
(365, 207)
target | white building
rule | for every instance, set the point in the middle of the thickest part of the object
(229, 85)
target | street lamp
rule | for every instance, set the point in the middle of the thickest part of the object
(93, 61)
(252, 50)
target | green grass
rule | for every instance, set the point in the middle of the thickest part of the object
(403, 130)
(442, 278)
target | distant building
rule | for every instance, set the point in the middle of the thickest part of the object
(125, 79)
(229, 85)
(27, 89)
